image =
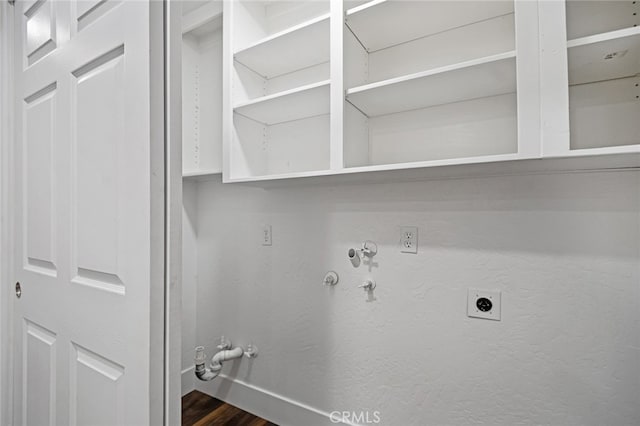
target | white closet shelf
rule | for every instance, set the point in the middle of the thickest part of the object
(597, 38)
(279, 176)
(490, 76)
(198, 173)
(205, 14)
(295, 48)
(505, 165)
(607, 56)
(380, 168)
(594, 17)
(295, 104)
(380, 24)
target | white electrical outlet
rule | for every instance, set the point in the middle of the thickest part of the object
(408, 239)
(266, 235)
(484, 304)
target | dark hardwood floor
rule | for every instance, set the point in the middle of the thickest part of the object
(199, 409)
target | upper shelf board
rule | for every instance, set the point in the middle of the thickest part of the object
(206, 14)
(290, 50)
(303, 102)
(490, 76)
(380, 24)
(600, 16)
(604, 56)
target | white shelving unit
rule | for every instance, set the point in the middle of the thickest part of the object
(429, 81)
(603, 51)
(202, 91)
(316, 88)
(278, 91)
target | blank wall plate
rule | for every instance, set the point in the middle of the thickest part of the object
(484, 304)
(408, 239)
(266, 235)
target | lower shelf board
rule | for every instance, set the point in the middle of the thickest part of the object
(605, 114)
(199, 409)
(313, 173)
(581, 160)
(199, 173)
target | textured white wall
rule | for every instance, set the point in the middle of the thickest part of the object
(564, 249)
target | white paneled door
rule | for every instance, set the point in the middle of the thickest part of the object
(88, 202)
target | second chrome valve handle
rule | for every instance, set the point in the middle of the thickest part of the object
(368, 285)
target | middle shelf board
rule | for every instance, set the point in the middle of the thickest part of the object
(303, 102)
(296, 48)
(490, 76)
(379, 24)
(604, 57)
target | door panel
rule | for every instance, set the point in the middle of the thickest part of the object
(39, 229)
(99, 106)
(94, 375)
(89, 217)
(39, 375)
(40, 29)
(86, 12)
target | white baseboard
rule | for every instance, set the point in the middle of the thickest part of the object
(270, 406)
(188, 380)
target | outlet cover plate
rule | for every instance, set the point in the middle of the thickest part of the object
(489, 307)
(266, 235)
(409, 239)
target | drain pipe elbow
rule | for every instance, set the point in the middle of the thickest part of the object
(205, 374)
(220, 357)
